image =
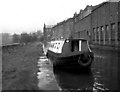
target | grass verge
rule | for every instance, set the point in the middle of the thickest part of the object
(19, 67)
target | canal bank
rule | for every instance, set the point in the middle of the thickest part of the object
(45, 75)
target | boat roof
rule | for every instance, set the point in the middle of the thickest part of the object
(72, 39)
(77, 39)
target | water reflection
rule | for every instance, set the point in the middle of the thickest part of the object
(74, 80)
(105, 69)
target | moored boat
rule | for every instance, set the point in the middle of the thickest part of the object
(70, 52)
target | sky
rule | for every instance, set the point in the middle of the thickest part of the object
(17, 16)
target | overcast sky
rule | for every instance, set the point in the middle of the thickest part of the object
(18, 16)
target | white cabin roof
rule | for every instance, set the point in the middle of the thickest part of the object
(56, 46)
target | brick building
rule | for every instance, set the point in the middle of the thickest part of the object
(63, 30)
(105, 22)
(99, 24)
(47, 32)
(82, 23)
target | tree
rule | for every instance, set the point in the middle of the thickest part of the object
(33, 37)
(6, 38)
(25, 38)
(16, 38)
(40, 36)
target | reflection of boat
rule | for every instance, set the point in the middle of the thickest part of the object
(70, 51)
(74, 81)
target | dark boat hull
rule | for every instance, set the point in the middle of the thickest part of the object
(70, 60)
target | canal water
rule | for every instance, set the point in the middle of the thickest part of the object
(105, 69)
(103, 75)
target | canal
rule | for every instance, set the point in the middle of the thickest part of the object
(103, 75)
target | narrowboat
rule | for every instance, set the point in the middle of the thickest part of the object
(70, 52)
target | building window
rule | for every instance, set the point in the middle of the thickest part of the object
(101, 33)
(97, 34)
(118, 31)
(113, 31)
(106, 32)
(94, 34)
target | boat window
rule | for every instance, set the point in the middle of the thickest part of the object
(84, 46)
(75, 45)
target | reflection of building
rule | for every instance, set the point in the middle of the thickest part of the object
(99, 24)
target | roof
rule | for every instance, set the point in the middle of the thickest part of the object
(77, 39)
(99, 5)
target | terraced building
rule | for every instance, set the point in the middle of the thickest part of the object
(99, 24)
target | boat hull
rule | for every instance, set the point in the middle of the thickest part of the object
(58, 60)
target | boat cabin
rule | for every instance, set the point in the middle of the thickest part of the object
(69, 45)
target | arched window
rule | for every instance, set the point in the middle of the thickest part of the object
(106, 32)
(102, 33)
(118, 31)
(94, 34)
(113, 31)
(97, 34)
